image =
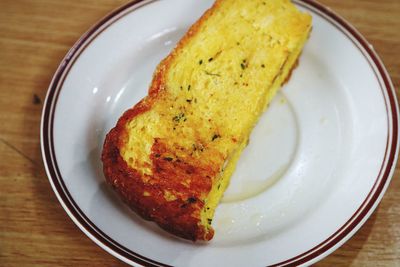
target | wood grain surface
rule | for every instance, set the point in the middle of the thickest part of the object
(34, 229)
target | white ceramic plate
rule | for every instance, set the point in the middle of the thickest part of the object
(318, 163)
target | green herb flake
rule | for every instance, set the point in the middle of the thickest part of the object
(210, 59)
(209, 221)
(189, 100)
(215, 136)
(178, 117)
(212, 74)
(262, 66)
(200, 62)
(189, 86)
(168, 159)
(191, 200)
(243, 64)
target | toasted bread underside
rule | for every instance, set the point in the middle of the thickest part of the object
(170, 157)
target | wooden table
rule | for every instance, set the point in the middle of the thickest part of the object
(34, 229)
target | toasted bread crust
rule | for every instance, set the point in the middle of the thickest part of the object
(174, 216)
(171, 186)
(181, 216)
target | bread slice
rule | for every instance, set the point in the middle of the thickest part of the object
(170, 157)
